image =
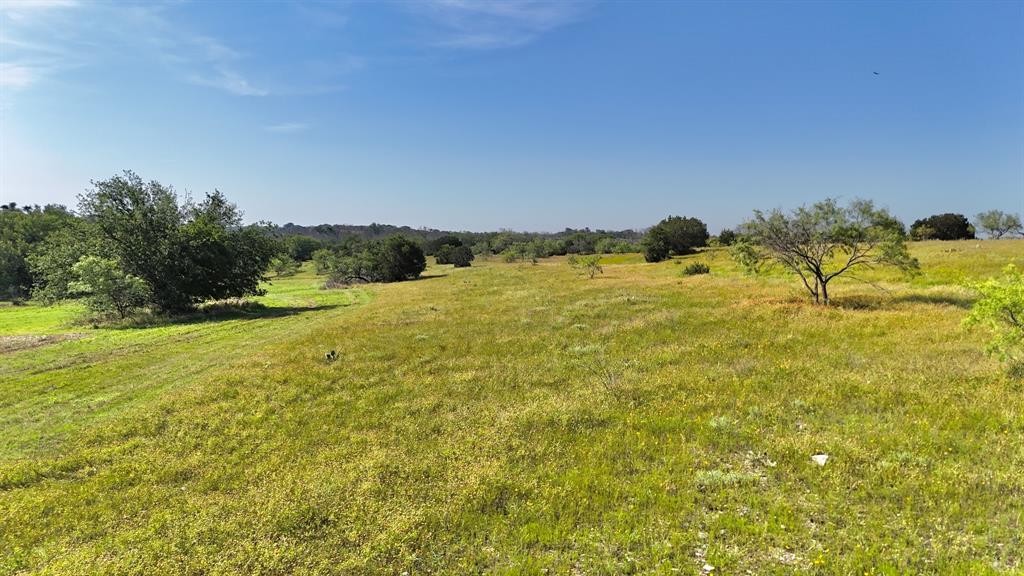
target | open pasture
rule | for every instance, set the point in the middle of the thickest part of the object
(522, 419)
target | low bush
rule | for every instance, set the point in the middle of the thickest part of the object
(589, 265)
(1000, 308)
(696, 268)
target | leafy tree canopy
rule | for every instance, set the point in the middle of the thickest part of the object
(824, 241)
(947, 226)
(996, 223)
(674, 235)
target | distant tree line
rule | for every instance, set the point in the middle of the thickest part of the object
(133, 244)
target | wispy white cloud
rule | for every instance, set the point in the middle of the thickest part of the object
(499, 23)
(25, 63)
(228, 81)
(18, 76)
(21, 10)
(41, 39)
(287, 127)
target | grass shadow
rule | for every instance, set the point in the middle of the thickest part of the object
(216, 312)
(885, 301)
(958, 300)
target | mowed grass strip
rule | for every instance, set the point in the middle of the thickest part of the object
(517, 419)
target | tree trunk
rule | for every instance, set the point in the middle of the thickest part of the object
(824, 293)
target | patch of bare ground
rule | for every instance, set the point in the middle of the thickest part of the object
(26, 341)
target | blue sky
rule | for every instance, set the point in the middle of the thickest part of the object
(523, 115)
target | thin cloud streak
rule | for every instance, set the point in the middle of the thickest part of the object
(498, 24)
(287, 128)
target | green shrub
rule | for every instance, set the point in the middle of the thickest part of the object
(747, 256)
(323, 260)
(589, 265)
(106, 287)
(284, 265)
(1000, 308)
(696, 268)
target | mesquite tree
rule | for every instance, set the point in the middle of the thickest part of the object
(997, 223)
(824, 241)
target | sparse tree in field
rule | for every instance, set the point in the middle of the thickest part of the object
(947, 226)
(1001, 309)
(674, 235)
(824, 241)
(106, 287)
(589, 265)
(284, 265)
(996, 223)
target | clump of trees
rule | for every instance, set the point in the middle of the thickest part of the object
(1000, 307)
(186, 252)
(22, 231)
(432, 247)
(727, 237)
(130, 231)
(389, 260)
(459, 256)
(825, 241)
(947, 226)
(525, 251)
(674, 235)
(996, 224)
(301, 248)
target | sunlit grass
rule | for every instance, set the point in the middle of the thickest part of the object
(515, 418)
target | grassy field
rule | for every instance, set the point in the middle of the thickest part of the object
(520, 419)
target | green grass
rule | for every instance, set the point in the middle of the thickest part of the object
(520, 419)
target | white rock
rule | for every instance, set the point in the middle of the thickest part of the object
(820, 459)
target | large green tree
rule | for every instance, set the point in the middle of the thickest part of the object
(674, 235)
(186, 253)
(948, 226)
